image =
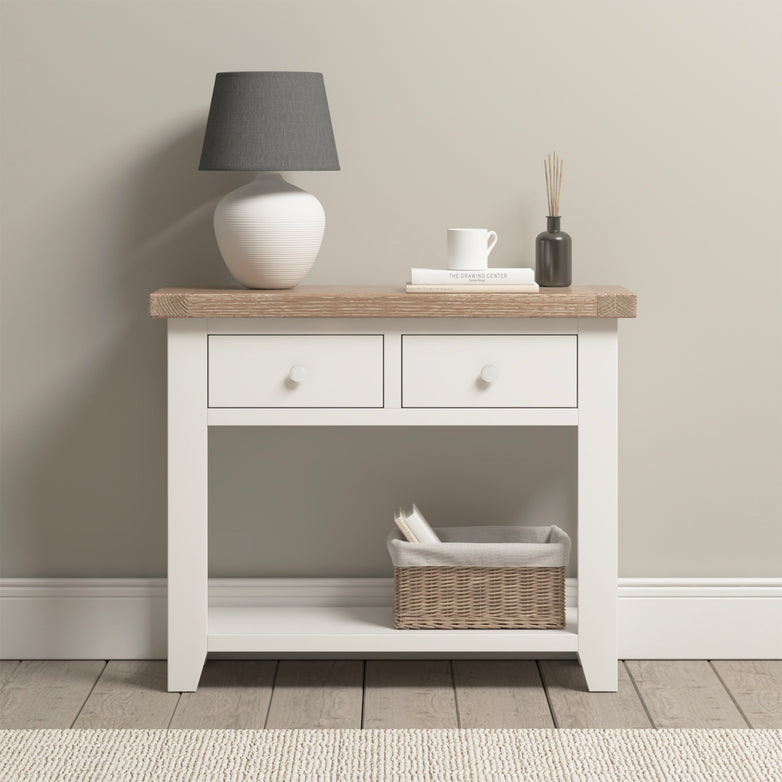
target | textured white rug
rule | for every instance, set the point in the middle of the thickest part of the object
(390, 755)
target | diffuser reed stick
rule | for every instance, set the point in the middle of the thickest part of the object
(548, 189)
(553, 169)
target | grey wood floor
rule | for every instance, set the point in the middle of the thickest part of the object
(390, 694)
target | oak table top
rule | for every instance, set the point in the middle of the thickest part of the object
(353, 301)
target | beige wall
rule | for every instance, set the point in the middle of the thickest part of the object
(668, 117)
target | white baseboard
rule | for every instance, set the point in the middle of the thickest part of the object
(714, 618)
(125, 618)
(94, 618)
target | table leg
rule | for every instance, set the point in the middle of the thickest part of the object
(597, 501)
(187, 502)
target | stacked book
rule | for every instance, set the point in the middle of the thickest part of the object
(510, 280)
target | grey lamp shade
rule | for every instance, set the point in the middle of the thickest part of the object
(269, 121)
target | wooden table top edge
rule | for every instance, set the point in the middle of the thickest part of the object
(353, 301)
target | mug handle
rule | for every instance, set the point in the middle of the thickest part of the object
(491, 243)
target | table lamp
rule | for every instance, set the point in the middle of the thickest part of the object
(269, 232)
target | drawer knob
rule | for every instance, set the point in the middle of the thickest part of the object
(297, 373)
(489, 373)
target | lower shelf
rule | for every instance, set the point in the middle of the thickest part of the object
(368, 629)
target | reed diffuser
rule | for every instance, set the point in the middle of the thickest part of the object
(553, 247)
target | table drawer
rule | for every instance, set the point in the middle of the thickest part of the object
(343, 370)
(520, 370)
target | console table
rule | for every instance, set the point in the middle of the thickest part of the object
(369, 356)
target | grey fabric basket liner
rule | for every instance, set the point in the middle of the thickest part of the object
(483, 547)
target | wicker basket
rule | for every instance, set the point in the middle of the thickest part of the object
(455, 597)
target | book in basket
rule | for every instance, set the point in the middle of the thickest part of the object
(414, 526)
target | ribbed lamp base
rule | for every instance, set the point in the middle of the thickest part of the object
(269, 232)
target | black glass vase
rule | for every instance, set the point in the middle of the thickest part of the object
(553, 251)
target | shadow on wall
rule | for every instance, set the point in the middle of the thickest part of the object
(168, 236)
(318, 502)
(87, 482)
(87, 490)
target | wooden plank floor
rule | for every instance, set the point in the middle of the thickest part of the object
(409, 694)
(684, 694)
(391, 694)
(234, 694)
(317, 694)
(129, 694)
(572, 706)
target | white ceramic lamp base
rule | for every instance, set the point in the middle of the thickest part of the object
(269, 232)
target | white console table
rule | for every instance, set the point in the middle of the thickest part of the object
(350, 356)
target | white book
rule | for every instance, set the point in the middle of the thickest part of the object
(400, 519)
(473, 288)
(414, 526)
(507, 276)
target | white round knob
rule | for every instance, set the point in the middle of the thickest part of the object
(297, 373)
(489, 373)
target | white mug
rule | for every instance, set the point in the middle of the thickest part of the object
(469, 248)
